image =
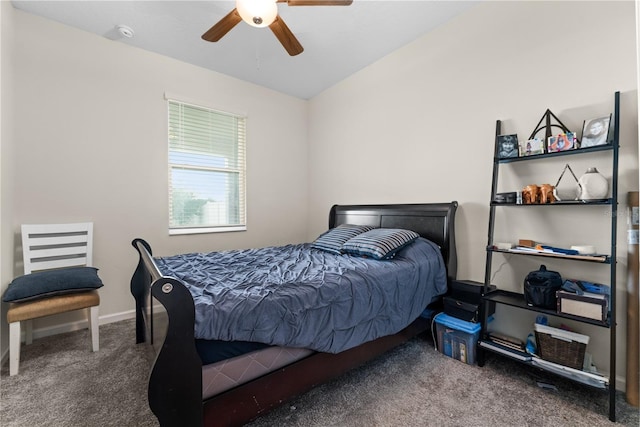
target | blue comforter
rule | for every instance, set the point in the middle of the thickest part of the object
(298, 296)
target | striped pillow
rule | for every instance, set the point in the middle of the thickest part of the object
(381, 243)
(332, 240)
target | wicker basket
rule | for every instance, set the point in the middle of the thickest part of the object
(560, 346)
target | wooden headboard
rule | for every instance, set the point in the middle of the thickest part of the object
(433, 221)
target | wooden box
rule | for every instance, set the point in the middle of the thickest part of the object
(591, 306)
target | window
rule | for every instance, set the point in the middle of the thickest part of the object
(206, 170)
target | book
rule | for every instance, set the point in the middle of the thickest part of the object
(507, 351)
(507, 341)
(507, 344)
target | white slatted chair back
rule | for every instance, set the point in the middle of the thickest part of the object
(49, 246)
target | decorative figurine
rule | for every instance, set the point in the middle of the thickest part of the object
(546, 194)
(530, 194)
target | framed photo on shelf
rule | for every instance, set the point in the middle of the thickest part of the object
(595, 132)
(507, 146)
(561, 142)
(532, 147)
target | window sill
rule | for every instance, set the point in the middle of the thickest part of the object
(204, 230)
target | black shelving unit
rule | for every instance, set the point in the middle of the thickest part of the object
(515, 299)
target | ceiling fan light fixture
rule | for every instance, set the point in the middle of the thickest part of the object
(257, 13)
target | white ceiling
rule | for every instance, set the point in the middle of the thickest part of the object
(337, 40)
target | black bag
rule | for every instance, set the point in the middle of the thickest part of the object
(540, 288)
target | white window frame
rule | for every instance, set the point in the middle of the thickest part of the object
(240, 169)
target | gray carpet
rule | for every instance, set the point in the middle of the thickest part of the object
(61, 383)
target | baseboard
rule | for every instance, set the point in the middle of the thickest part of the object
(72, 326)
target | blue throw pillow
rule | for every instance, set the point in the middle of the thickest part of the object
(52, 282)
(381, 243)
(332, 240)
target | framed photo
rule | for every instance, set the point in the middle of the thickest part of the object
(595, 132)
(507, 146)
(561, 142)
(532, 147)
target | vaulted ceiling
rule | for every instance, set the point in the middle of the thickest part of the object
(338, 40)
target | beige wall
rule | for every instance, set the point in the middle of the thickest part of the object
(87, 129)
(419, 125)
(90, 124)
(6, 159)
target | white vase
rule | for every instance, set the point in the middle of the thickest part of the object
(593, 186)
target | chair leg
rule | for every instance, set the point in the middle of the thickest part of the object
(94, 328)
(14, 347)
(28, 332)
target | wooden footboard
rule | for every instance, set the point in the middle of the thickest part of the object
(175, 382)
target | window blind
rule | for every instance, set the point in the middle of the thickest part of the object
(206, 168)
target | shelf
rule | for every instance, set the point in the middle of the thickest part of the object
(515, 299)
(594, 380)
(603, 153)
(558, 154)
(601, 259)
(560, 203)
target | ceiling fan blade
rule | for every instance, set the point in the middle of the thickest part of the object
(319, 2)
(286, 37)
(222, 27)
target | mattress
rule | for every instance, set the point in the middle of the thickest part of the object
(227, 374)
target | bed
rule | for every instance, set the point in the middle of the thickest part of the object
(185, 391)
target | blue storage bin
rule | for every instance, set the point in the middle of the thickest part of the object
(456, 338)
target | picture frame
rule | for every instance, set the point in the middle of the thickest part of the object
(507, 146)
(562, 142)
(531, 147)
(595, 132)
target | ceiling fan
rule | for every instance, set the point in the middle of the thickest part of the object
(264, 13)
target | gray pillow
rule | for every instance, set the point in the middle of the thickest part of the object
(381, 243)
(52, 282)
(332, 240)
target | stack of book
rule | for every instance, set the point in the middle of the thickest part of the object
(506, 345)
(507, 341)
